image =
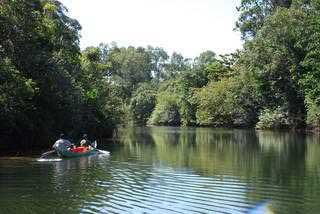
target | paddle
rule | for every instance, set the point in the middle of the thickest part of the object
(94, 144)
(47, 153)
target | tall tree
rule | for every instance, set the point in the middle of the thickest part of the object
(274, 55)
(204, 59)
(253, 14)
(159, 59)
(129, 67)
(176, 65)
(42, 44)
(101, 107)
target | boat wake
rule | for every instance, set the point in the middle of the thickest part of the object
(100, 153)
(49, 159)
(104, 153)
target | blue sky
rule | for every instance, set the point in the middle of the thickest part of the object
(185, 26)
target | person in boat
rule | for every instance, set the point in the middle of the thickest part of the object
(84, 141)
(62, 144)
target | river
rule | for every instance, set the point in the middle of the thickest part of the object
(172, 170)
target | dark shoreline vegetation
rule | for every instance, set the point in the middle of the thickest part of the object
(48, 85)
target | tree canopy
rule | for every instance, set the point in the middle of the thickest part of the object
(48, 85)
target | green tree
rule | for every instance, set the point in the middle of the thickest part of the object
(309, 66)
(143, 103)
(16, 100)
(129, 67)
(159, 58)
(42, 45)
(176, 65)
(166, 111)
(275, 55)
(253, 14)
(101, 109)
(228, 102)
(204, 59)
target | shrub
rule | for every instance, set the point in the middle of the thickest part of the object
(228, 102)
(166, 111)
(313, 113)
(142, 103)
(271, 119)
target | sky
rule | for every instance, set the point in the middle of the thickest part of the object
(188, 27)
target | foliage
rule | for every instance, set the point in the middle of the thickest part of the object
(313, 115)
(253, 14)
(274, 55)
(166, 111)
(227, 102)
(159, 59)
(101, 108)
(204, 59)
(142, 103)
(181, 88)
(40, 45)
(16, 98)
(47, 85)
(310, 67)
(274, 119)
(130, 66)
(216, 71)
(176, 65)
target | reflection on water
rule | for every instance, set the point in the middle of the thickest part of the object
(173, 170)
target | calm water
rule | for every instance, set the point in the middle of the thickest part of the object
(172, 170)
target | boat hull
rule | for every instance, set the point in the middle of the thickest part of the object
(70, 154)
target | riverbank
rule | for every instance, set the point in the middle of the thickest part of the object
(31, 151)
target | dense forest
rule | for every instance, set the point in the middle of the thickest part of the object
(48, 85)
